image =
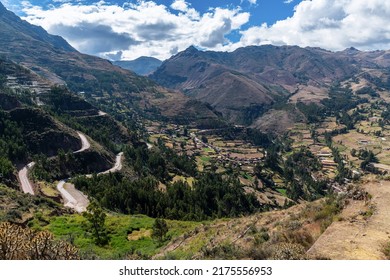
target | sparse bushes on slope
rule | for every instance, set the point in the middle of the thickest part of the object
(17, 243)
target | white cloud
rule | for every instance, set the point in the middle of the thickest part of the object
(140, 28)
(330, 24)
(288, 1)
(183, 6)
(252, 1)
(180, 5)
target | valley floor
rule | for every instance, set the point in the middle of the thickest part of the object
(363, 229)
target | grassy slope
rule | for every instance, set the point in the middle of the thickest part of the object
(73, 227)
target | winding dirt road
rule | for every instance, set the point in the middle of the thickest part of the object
(25, 183)
(72, 197)
(117, 166)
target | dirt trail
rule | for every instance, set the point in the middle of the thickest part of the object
(357, 237)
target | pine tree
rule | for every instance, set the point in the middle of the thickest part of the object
(160, 229)
(96, 216)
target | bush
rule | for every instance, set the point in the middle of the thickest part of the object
(17, 243)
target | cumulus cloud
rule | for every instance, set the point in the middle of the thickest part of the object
(138, 28)
(94, 38)
(180, 5)
(217, 36)
(331, 24)
(184, 7)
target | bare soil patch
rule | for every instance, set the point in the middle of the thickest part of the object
(360, 235)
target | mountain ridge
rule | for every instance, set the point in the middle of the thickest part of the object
(248, 79)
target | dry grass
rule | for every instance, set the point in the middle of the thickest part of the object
(362, 230)
(309, 94)
(138, 234)
(282, 234)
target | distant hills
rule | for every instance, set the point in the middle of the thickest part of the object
(143, 65)
(245, 84)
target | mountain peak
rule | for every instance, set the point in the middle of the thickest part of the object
(191, 49)
(351, 50)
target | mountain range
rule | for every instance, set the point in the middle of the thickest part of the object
(245, 87)
(246, 83)
(52, 57)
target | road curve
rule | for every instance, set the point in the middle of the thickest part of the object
(23, 178)
(85, 145)
(23, 173)
(74, 198)
(117, 166)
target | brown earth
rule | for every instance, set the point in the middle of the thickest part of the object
(363, 230)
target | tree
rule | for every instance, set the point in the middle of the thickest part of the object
(96, 216)
(160, 229)
(6, 168)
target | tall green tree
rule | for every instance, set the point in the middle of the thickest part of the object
(160, 229)
(96, 217)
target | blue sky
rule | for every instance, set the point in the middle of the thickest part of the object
(120, 29)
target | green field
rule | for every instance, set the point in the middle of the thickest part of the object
(208, 150)
(282, 192)
(73, 228)
(205, 158)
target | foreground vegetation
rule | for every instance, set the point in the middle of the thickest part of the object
(130, 236)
